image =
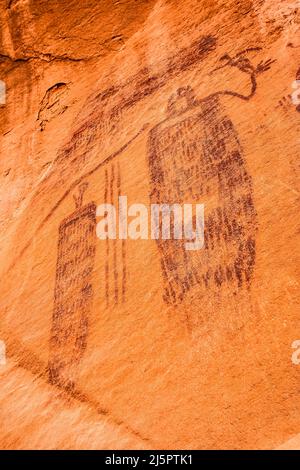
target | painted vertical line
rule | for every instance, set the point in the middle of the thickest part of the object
(115, 270)
(124, 274)
(107, 245)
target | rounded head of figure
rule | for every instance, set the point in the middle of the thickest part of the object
(181, 101)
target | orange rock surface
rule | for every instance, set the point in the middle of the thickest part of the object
(138, 344)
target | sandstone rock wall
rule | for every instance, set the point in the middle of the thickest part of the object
(128, 343)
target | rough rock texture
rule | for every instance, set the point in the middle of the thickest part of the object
(132, 344)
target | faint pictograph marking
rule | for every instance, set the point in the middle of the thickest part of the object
(52, 105)
(115, 269)
(123, 249)
(284, 103)
(73, 293)
(107, 244)
(268, 17)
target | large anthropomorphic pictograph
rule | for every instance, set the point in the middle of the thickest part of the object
(195, 155)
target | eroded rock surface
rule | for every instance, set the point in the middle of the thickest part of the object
(137, 343)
